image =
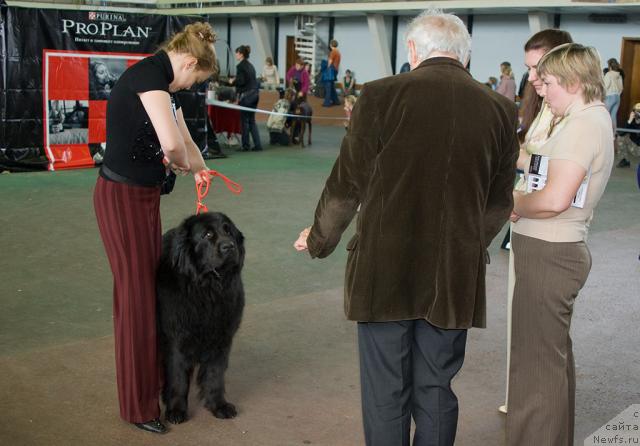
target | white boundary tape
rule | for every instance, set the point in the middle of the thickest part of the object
(258, 110)
(626, 130)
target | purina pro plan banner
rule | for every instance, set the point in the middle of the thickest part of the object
(58, 69)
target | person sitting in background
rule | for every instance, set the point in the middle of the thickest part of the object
(492, 82)
(349, 103)
(613, 89)
(276, 124)
(298, 78)
(629, 143)
(269, 77)
(507, 85)
(348, 83)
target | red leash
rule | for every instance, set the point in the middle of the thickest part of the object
(202, 189)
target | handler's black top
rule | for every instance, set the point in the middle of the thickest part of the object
(245, 77)
(133, 151)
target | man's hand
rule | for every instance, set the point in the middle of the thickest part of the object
(301, 243)
(514, 217)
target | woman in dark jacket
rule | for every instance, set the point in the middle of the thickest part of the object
(248, 96)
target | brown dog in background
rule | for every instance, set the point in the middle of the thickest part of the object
(301, 108)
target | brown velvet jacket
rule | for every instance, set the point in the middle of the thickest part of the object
(430, 159)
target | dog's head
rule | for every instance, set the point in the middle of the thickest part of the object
(208, 243)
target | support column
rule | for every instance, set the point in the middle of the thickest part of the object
(380, 42)
(539, 21)
(394, 44)
(261, 33)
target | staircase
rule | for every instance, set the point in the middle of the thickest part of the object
(309, 46)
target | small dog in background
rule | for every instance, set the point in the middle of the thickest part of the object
(199, 308)
(301, 107)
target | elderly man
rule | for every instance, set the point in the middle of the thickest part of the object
(430, 159)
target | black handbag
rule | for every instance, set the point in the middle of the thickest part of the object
(168, 183)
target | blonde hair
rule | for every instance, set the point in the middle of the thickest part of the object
(505, 68)
(351, 100)
(573, 64)
(196, 39)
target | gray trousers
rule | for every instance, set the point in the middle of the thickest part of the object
(406, 368)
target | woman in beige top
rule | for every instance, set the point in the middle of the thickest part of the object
(536, 126)
(552, 261)
(269, 77)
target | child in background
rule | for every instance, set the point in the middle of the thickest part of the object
(348, 83)
(349, 102)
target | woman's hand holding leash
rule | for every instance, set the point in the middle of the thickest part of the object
(202, 176)
(203, 181)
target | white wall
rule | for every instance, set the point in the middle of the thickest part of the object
(242, 34)
(219, 25)
(605, 37)
(496, 39)
(357, 49)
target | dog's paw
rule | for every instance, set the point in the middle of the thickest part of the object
(176, 416)
(224, 410)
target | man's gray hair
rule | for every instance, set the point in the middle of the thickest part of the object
(433, 30)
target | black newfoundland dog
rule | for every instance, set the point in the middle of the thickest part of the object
(200, 302)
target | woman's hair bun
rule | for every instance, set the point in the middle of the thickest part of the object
(196, 39)
(202, 31)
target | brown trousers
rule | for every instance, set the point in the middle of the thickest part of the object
(129, 222)
(541, 401)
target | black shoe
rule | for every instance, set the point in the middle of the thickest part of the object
(624, 163)
(257, 149)
(154, 426)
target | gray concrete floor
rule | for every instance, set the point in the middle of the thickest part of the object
(294, 366)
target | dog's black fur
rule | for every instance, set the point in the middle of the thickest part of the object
(200, 303)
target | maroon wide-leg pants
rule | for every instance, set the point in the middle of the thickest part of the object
(129, 222)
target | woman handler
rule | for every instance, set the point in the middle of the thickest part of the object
(145, 131)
